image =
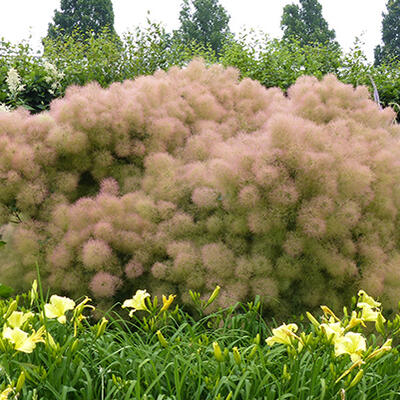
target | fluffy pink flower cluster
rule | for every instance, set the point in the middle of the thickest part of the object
(191, 178)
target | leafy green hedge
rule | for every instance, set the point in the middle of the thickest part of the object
(108, 59)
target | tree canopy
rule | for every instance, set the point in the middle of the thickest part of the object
(390, 34)
(90, 17)
(305, 23)
(205, 21)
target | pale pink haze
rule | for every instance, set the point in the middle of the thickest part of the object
(291, 197)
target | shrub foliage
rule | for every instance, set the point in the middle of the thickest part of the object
(191, 178)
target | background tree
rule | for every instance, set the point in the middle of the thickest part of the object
(306, 24)
(390, 34)
(90, 17)
(204, 21)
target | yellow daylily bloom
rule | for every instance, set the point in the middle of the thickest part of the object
(38, 336)
(351, 343)
(4, 394)
(354, 321)
(21, 340)
(18, 318)
(328, 312)
(332, 330)
(167, 302)
(363, 298)
(369, 314)
(137, 302)
(57, 308)
(283, 334)
(81, 306)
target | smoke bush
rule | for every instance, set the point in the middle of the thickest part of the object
(191, 178)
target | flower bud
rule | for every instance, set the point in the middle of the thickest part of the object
(2, 346)
(236, 356)
(74, 346)
(51, 343)
(161, 339)
(217, 352)
(230, 394)
(20, 382)
(356, 379)
(101, 327)
(313, 319)
(380, 324)
(11, 308)
(213, 296)
(33, 294)
(257, 339)
(253, 352)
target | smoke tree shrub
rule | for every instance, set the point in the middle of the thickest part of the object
(191, 178)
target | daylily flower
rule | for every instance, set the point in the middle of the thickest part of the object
(328, 312)
(77, 316)
(364, 299)
(21, 340)
(167, 302)
(4, 394)
(354, 321)
(18, 318)
(57, 308)
(369, 314)
(283, 334)
(351, 343)
(137, 302)
(332, 330)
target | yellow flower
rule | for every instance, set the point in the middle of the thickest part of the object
(18, 318)
(364, 299)
(332, 330)
(58, 307)
(283, 334)
(354, 321)
(137, 302)
(167, 302)
(328, 312)
(21, 340)
(4, 394)
(368, 314)
(351, 343)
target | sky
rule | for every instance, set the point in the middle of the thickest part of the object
(20, 19)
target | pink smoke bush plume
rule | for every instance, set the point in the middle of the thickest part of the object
(191, 178)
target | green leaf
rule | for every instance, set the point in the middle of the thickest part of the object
(5, 291)
(2, 243)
